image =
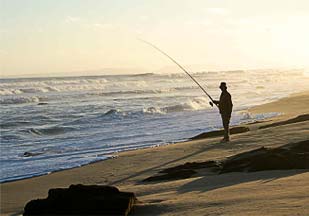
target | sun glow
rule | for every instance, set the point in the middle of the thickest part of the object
(59, 37)
(292, 40)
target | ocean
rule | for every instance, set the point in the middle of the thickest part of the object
(51, 124)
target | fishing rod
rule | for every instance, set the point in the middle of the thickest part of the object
(181, 67)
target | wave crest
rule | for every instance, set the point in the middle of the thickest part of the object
(49, 131)
(198, 103)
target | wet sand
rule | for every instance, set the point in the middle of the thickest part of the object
(257, 193)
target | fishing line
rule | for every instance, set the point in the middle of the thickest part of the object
(181, 67)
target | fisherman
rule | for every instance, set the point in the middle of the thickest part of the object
(225, 103)
(225, 107)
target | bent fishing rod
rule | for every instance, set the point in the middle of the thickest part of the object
(181, 67)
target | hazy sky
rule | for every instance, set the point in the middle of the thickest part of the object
(49, 36)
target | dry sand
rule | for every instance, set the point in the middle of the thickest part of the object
(258, 193)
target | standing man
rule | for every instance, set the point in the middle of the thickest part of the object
(225, 107)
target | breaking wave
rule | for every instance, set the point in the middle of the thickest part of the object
(140, 92)
(53, 85)
(136, 92)
(247, 116)
(20, 100)
(199, 103)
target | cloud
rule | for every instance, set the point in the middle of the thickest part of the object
(3, 52)
(217, 11)
(70, 19)
(103, 25)
(144, 18)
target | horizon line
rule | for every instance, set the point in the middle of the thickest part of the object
(64, 74)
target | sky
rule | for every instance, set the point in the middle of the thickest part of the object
(46, 37)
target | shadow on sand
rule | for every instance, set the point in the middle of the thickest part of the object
(213, 145)
(209, 183)
(258, 164)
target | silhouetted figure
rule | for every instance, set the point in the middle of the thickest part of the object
(225, 106)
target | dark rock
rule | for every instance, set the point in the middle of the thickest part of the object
(257, 122)
(31, 154)
(27, 154)
(183, 171)
(193, 166)
(291, 156)
(218, 133)
(297, 119)
(83, 200)
(42, 103)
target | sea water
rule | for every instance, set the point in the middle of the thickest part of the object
(50, 124)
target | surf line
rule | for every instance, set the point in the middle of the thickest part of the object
(181, 67)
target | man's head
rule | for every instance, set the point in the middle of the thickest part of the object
(223, 86)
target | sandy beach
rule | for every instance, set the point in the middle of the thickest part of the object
(280, 192)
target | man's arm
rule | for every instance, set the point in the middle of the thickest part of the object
(215, 102)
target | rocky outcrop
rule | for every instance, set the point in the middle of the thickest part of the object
(83, 200)
(211, 134)
(290, 156)
(297, 119)
(184, 171)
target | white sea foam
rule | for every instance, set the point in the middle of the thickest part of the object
(19, 100)
(198, 103)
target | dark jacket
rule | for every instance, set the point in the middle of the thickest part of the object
(225, 104)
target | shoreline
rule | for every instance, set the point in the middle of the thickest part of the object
(130, 167)
(155, 146)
